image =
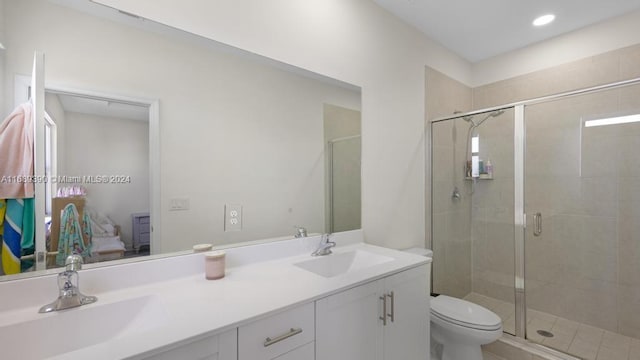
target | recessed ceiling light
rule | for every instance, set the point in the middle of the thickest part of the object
(543, 20)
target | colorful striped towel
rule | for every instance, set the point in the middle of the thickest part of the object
(19, 226)
(3, 210)
(71, 240)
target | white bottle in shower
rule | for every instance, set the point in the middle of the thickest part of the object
(488, 168)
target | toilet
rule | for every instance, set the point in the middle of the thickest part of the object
(458, 327)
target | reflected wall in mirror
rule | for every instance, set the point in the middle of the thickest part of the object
(235, 129)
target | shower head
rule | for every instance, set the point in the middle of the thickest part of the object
(495, 113)
(469, 118)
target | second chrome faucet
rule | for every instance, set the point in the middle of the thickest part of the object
(324, 248)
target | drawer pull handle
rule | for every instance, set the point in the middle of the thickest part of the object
(269, 341)
(384, 310)
(393, 306)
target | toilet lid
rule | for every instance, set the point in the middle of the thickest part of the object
(464, 313)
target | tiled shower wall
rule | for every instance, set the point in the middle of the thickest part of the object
(602, 69)
(585, 182)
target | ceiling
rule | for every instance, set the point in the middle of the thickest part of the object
(100, 107)
(477, 30)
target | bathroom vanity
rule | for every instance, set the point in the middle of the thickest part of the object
(275, 302)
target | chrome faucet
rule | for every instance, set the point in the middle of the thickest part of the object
(301, 232)
(69, 294)
(324, 248)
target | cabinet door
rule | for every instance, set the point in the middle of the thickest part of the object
(407, 335)
(348, 325)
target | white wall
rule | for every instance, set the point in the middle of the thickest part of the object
(354, 41)
(98, 145)
(592, 40)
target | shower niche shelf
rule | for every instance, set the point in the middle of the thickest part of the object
(479, 178)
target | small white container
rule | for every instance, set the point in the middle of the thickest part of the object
(214, 264)
(202, 247)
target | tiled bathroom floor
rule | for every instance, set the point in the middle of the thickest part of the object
(581, 340)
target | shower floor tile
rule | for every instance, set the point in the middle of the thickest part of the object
(581, 340)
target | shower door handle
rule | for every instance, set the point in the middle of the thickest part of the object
(537, 224)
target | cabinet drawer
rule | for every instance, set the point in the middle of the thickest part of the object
(304, 352)
(266, 339)
(144, 228)
(145, 239)
(144, 220)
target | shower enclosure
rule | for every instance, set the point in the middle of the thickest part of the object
(548, 235)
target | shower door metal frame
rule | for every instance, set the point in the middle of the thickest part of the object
(520, 223)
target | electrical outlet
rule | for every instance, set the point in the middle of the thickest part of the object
(179, 204)
(232, 217)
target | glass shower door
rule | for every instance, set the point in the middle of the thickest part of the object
(582, 201)
(472, 210)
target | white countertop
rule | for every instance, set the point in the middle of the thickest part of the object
(193, 307)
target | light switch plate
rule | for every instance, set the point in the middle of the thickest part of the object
(179, 204)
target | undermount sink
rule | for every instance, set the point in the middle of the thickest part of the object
(64, 331)
(338, 264)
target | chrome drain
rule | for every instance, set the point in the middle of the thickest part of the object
(545, 333)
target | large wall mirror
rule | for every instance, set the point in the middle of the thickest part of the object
(238, 148)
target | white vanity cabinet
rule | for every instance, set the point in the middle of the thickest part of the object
(382, 320)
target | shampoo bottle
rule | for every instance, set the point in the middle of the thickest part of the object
(488, 168)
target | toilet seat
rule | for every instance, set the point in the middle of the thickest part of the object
(464, 313)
